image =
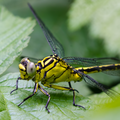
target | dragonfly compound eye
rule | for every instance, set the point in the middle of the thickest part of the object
(31, 69)
(23, 64)
(24, 61)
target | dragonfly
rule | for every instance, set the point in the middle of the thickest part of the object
(57, 68)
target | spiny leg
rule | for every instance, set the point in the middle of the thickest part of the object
(74, 96)
(64, 88)
(16, 85)
(34, 91)
(46, 93)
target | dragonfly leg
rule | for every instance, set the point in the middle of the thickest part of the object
(71, 87)
(74, 96)
(16, 85)
(64, 88)
(46, 93)
(34, 91)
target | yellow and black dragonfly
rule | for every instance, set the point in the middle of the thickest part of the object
(56, 68)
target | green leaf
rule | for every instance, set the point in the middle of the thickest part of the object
(14, 33)
(104, 18)
(60, 105)
(4, 114)
(107, 111)
(61, 101)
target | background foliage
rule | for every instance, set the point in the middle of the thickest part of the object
(94, 32)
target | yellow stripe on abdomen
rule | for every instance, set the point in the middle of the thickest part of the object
(95, 69)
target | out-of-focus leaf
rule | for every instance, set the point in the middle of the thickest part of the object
(104, 17)
(14, 33)
(107, 111)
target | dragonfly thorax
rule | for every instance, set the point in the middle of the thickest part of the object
(53, 69)
(27, 69)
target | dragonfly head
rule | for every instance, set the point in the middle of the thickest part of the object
(27, 69)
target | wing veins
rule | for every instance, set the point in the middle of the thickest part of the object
(52, 41)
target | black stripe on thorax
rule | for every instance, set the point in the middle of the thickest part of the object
(46, 59)
(50, 62)
(50, 69)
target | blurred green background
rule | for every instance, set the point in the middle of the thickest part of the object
(79, 40)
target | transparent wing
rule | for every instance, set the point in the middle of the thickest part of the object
(94, 83)
(113, 72)
(54, 44)
(87, 62)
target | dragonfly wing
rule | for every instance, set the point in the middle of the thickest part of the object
(84, 62)
(54, 44)
(94, 83)
(87, 62)
(113, 72)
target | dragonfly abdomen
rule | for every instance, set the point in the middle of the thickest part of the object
(95, 69)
